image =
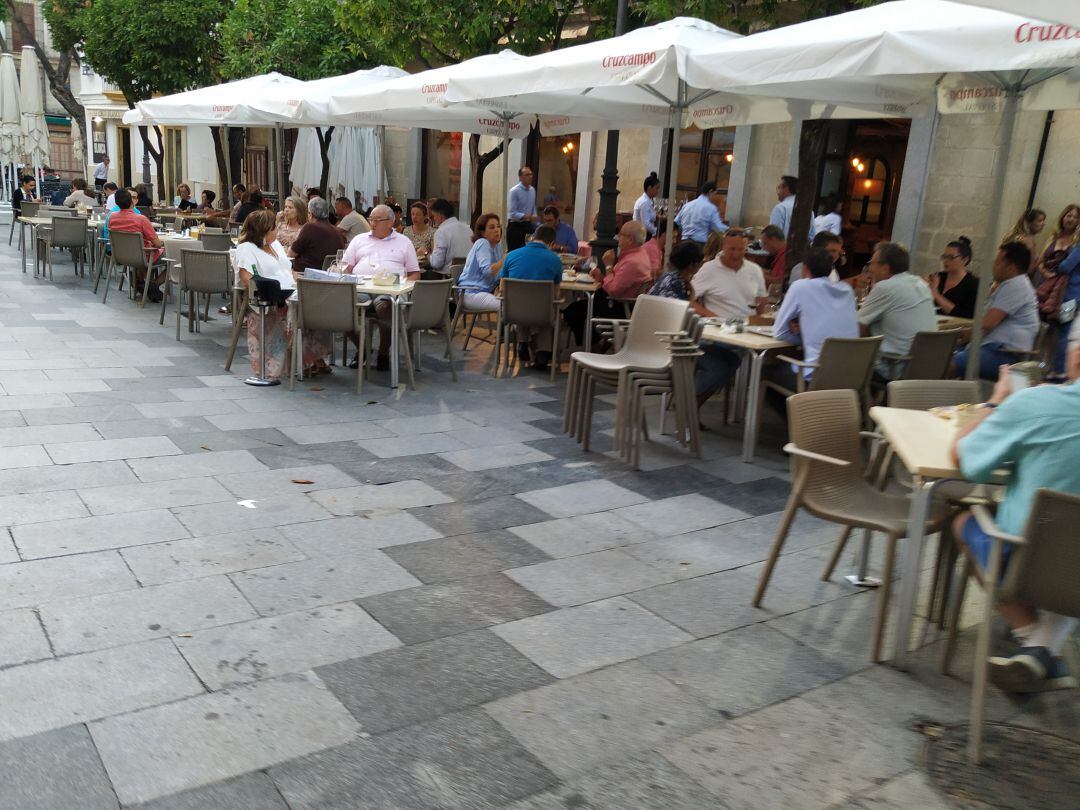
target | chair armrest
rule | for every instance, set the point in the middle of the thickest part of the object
(869, 434)
(987, 524)
(800, 363)
(612, 321)
(798, 451)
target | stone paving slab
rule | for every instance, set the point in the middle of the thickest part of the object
(373, 530)
(681, 514)
(291, 642)
(587, 578)
(39, 506)
(202, 740)
(466, 555)
(234, 516)
(399, 495)
(461, 760)
(16, 436)
(421, 682)
(35, 582)
(111, 449)
(253, 791)
(56, 770)
(58, 692)
(574, 640)
(206, 556)
(22, 638)
(581, 534)
(200, 464)
(119, 618)
(31, 455)
(78, 535)
(574, 725)
(285, 480)
(155, 495)
(581, 498)
(311, 583)
(476, 459)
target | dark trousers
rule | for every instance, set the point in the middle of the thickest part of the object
(517, 234)
(577, 312)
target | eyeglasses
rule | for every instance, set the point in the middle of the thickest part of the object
(381, 219)
(949, 256)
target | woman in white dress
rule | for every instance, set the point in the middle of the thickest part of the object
(260, 253)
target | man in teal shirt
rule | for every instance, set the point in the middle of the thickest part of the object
(536, 261)
(1035, 433)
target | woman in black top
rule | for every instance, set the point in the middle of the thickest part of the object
(23, 192)
(954, 288)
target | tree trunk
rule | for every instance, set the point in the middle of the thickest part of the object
(324, 153)
(479, 163)
(59, 77)
(158, 155)
(812, 144)
(224, 191)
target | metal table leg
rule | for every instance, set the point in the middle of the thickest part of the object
(588, 320)
(753, 404)
(22, 243)
(394, 342)
(910, 568)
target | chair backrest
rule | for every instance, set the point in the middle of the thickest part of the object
(653, 314)
(430, 304)
(57, 211)
(328, 260)
(128, 249)
(528, 303)
(208, 229)
(827, 422)
(457, 267)
(146, 210)
(174, 248)
(29, 209)
(329, 306)
(1044, 572)
(69, 232)
(921, 395)
(930, 354)
(216, 241)
(845, 363)
(206, 271)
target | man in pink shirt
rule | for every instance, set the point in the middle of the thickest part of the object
(631, 273)
(382, 249)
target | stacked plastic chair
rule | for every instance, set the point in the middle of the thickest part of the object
(643, 351)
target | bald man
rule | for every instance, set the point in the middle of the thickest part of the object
(629, 274)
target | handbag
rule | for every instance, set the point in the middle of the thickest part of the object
(269, 290)
(1050, 295)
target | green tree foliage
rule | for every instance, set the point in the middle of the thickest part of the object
(299, 38)
(745, 16)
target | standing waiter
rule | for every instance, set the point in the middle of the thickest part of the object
(101, 173)
(521, 210)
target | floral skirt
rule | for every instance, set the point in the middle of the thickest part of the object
(278, 332)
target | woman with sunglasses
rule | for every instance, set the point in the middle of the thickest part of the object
(954, 288)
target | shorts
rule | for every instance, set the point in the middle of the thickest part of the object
(979, 543)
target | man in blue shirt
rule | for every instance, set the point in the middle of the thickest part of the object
(1036, 433)
(814, 310)
(521, 210)
(536, 261)
(565, 238)
(699, 218)
(783, 210)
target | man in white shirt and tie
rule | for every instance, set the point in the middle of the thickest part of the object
(644, 208)
(783, 210)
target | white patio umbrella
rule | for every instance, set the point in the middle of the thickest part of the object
(637, 79)
(356, 164)
(10, 119)
(34, 131)
(975, 61)
(1058, 11)
(306, 168)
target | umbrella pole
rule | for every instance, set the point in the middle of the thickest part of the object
(989, 249)
(673, 176)
(506, 177)
(279, 163)
(227, 196)
(382, 164)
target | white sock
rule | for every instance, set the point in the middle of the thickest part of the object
(1051, 631)
(1023, 634)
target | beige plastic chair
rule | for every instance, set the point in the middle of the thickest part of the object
(201, 272)
(26, 209)
(173, 259)
(929, 355)
(129, 254)
(922, 395)
(327, 306)
(1043, 571)
(66, 232)
(428, 307)
(828, 481)
(526, 305)
(643, 350)
(843, 363)
(216, 241)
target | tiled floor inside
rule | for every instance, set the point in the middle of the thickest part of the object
(218, 596)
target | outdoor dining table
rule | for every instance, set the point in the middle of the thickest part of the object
(588, 289)
(756, 346)
(923, 443)
(38, 221)
(397, 294)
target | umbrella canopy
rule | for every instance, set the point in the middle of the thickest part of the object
(638, 78)
(242, 103)
(355, 164)
(1059, 11)
(10, 116)
(977, 61)
(34, 131)
(309, 102)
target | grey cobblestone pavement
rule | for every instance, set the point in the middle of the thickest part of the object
(215, 596)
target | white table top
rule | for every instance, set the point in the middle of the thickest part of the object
(395, 290)
(743, 340)
(921, 440)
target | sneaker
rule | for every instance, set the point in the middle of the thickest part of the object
(1031, 669)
